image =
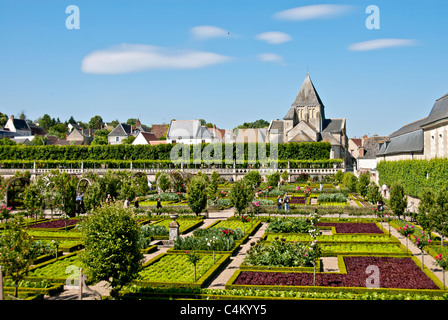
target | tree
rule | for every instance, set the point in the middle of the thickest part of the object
(285, 176)
(398, 201)
(17, 251)
(46, 122)
(197, 194)
(128, 140)
(373, 194)
(254, 178)
(339, 176)
(3, 119)
(350, 181)
(362, 184)
(213, 185)
(71, 120)
(99, 141)
(253, 125)
(241, 194)
(273, 179)
(111, 238)
(163, 182)
(96, 122)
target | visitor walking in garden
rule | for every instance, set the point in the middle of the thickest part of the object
(79, 204)
(126, 203)
(159, 204)
(136, 204)
(279, 202)
(286, 201)
(380, 205)
(384, 187)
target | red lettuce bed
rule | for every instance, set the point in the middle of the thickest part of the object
(393, 273)
(352, 227)
(55, 224)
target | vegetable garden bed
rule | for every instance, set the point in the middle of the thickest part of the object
(394, 273)
(175, 270)
(56, 224)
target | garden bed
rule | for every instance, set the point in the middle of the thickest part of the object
(336, 238)
(175, 270)
(56, 224)
(394, 273)
(353, 227)
(185, 224)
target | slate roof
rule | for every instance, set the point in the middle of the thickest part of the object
(410, 137)
(438, 112)
(20, 124)
(122, 129)
(333, 125)
(307, 95)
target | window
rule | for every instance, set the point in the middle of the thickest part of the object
(117, 139)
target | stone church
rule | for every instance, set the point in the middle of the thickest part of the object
(305, 122)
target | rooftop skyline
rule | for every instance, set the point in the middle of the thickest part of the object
(227, 62)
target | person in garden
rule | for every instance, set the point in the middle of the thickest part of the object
(380, 205)
(79, 203)
(108, 198)
(126, 203)
(286, 201)
(384, 187)
(136, 203)
(279, 202)
(159, 204)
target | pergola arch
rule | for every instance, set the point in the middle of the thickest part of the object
(83, 184)
(15, 189)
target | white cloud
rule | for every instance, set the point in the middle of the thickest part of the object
(313, 12)
(127, 58)
(208, 32)
(381, 44)
(270, 57)
(274, 37)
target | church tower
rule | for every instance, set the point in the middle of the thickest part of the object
(306, 107)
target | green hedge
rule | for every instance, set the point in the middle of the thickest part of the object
(296, 151)
(415, 175)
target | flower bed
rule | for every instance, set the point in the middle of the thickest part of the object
(393, 273)
(353, 227)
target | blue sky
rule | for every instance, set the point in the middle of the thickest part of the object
(227, 62)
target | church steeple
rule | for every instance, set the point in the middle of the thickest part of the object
(307, 106)
(307, 95)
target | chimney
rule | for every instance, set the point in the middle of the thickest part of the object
(138, 123)
(11, 117)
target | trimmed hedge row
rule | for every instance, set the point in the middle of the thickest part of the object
(415, 175)
(295, 150)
